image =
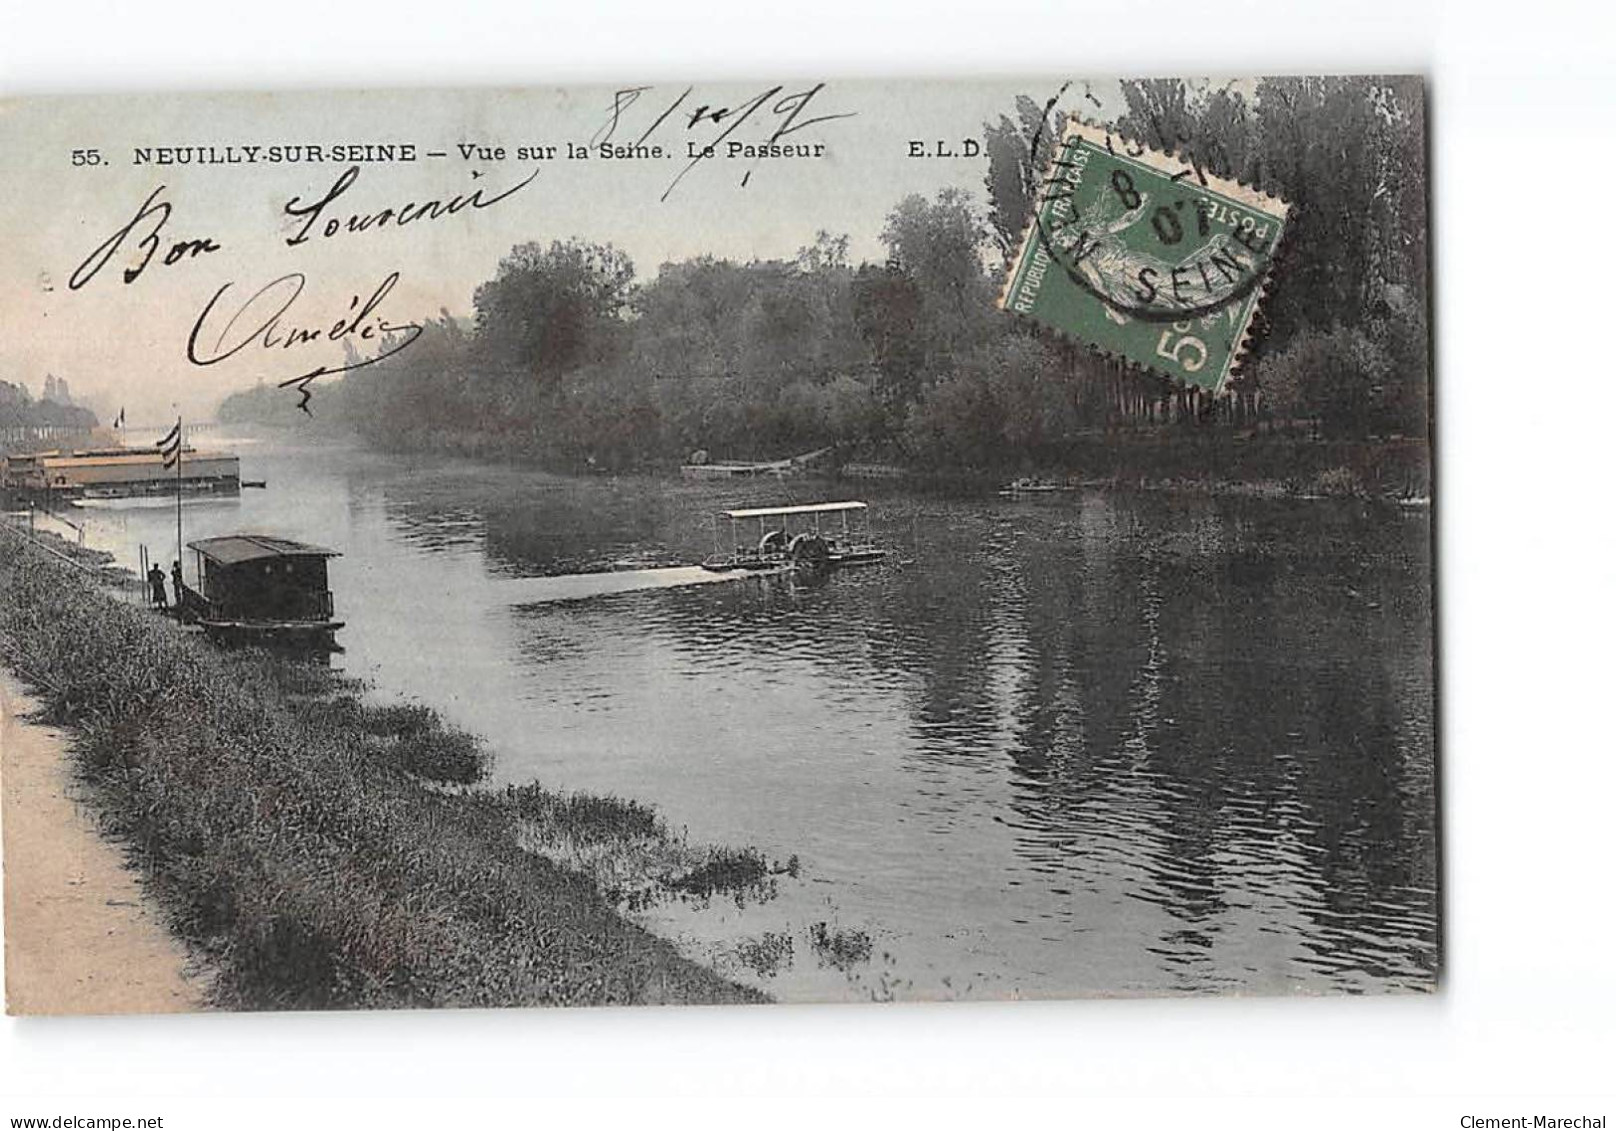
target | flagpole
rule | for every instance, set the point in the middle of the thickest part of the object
(179, 505)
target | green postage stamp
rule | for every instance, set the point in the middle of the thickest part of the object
(1143, 256)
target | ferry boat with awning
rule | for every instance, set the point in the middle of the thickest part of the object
(811, 536)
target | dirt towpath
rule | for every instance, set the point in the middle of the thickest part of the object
(81, 934)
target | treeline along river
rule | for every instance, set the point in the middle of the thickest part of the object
(1096, 743)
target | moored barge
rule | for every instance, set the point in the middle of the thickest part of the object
(118, 473)
(257, 588)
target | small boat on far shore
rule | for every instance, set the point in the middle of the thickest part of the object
(1031, 485)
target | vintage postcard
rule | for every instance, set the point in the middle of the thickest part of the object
(796, 540)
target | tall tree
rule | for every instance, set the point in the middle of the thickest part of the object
(549, 310)
(887, 312)
(1019, 151)
(938, 244)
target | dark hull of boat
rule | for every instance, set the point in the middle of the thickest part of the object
(755, 565)
(269, 631)
(857, 558)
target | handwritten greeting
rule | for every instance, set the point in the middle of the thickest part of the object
(245, 318)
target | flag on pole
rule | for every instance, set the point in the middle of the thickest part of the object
(169, 445)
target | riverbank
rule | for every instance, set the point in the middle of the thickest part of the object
(322, 852)
(1206, 461)
(82, 934)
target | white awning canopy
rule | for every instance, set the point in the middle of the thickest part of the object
(811, 508)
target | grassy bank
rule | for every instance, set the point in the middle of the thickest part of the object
(1215, 461)
(323, 851)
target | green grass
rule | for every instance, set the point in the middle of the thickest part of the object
(631, 855)
(303, 839)
(838, 948)
(768, 954)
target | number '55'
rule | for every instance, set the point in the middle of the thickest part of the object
(86, 157)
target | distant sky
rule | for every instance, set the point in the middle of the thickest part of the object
(124, 345)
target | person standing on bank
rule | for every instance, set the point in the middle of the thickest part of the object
(159, 593)
(179, 589)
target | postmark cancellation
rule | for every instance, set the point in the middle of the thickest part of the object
(1145, 257)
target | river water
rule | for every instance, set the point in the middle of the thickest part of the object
(1101, 743)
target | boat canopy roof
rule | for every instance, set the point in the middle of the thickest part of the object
(810, 508)
(233, 549)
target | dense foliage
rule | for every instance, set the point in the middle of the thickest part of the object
(570, 361)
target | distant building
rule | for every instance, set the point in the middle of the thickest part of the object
(56, 390)
(120, 473)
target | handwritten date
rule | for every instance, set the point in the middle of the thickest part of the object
(774, 114)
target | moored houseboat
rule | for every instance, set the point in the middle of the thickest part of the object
(115, 473)
(258, 588)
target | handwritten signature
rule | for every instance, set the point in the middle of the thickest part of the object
(263, 320)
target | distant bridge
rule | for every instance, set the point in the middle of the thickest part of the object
(31, 434)
(34, 437)
(199, 426)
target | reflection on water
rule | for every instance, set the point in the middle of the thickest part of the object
(1094, 744)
